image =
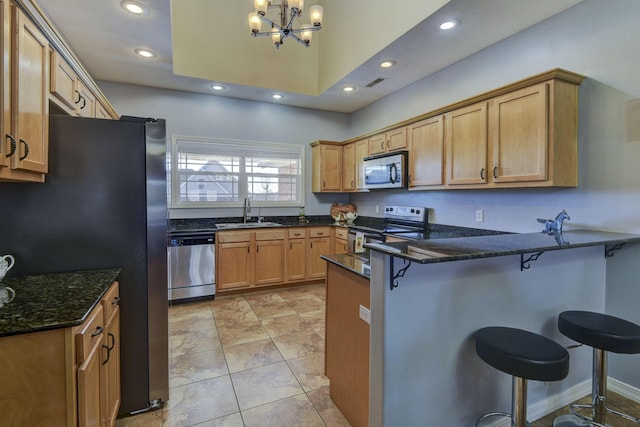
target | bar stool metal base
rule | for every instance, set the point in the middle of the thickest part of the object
(518, 413)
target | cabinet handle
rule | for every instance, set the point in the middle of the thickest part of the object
(495, 172)
(116, 301)
(482, 173)
(290, 246)
(79, 96)
(382, 145)
(98, 331)
(353, 183)
(14, 146)
(257, 248)
(248, 250)
(26, 149)
(106, 347)
(84, 103)
(311, 245)
(388, 143)
(113, 341)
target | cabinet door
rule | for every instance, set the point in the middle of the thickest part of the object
(466, 140)
(89, 401)
(362, 151)
(86, 104)
(377, 144)
(238, 262)
(30, 108)
(5, 89)
(339, 246)
(396, 139)
(349, 167)
(331, 167)
(316, 266)
(519, 135)
(269, 262)
(101, 112)
(63, 83)
(426, 152)
(111, 384)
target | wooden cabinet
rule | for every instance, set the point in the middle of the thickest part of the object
(467, 141)
(249, 258)
(86, 103)
(362, 151)
(63, 84)
(296, 258)
(101, 111)
(327, 166)
(319, 244)
(349, 167)
(426, 152)
(110, 386)
(25, 103)
(89, 345)
(395, 139)
(340, 240)
(347, 344)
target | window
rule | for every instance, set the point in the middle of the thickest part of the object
(220, 173)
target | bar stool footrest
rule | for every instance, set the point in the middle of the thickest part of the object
(574, 410)
(495, 414)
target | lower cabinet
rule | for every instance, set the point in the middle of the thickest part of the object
(319, 244)
(64, 377)
(340, 241)
(297, 255)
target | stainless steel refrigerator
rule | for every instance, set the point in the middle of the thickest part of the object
(103, 205)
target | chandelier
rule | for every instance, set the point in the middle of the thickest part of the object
(281, 25)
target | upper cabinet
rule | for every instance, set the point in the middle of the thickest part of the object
(362, 151)
(25, 104)
(327, 166)
(466, 141)
(63, 84)
(426, 152)
(349, 167)
(395, 139)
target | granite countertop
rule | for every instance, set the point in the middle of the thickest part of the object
(351, 262)
(52, 301)
(456, 249)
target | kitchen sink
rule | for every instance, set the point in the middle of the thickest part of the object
(228, 225)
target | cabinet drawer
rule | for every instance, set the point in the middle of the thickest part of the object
(269, 235)
(90, 334)
(297, 233)
(341, 233)
(233, 236)
(319, 232)
(110, 300)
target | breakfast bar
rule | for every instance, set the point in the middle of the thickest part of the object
(428, 297)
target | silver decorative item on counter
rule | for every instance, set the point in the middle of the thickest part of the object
(6, 263)
(554, 226)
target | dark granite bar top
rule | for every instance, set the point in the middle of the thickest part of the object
(456, 249)
(52, 301)
(351, 262)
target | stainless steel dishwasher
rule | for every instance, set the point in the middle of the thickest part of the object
(192, 268)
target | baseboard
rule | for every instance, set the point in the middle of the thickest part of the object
(553, 403)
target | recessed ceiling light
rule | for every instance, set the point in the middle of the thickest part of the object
(146, 53)
(349, 88)
(217, 87)
(449, 24)
(277, 96)
(388, 63)
(134, 7)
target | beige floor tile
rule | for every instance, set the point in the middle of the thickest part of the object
(293, 346)
(316, 319)
(295, 411)
(266, 384)
(233, 420)
(235, 303)
(284, 325)
(231, 319)
(254, 354)
(309, 370)
(242, 333)
(193, 342)
(292, 294)
(306, 303)
(200, 310)
(268, 305)
(188, 325)
(326, 408)
(146, 419)
(200, 402)
(189, 368)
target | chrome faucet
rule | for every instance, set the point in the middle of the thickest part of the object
(247, 209)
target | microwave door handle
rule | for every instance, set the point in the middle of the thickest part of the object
(393, 173)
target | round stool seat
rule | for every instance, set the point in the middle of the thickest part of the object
(522, 353)
(600, 331)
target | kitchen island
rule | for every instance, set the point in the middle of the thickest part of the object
(429, 297)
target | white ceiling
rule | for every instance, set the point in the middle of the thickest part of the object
(104, 37)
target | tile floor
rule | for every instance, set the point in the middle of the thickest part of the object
(252, 360)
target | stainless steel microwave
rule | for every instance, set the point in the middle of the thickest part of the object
(386, 170)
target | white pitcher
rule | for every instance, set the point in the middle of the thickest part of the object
(6, 264)
(350, 217)
(6, 295)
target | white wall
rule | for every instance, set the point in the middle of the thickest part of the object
(228, 118)
(595, 38)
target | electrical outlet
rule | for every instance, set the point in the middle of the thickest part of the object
(365, 314)
(479, 215)
(377, 208)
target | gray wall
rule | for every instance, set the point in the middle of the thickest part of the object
(596, 38)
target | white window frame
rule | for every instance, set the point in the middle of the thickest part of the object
(209, 144)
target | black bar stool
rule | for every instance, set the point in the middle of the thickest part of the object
(604, 333)
(525, 356)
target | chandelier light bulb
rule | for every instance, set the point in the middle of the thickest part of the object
(255, 23)
(307, 33)
(297, 5)
(261, 6)
(315, 13)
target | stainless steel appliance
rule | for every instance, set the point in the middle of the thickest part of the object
(104, 205)
(192, 269)
(405, 222)
(386, 170)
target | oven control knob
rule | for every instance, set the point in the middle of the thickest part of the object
(418, 211)
(413, 210)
